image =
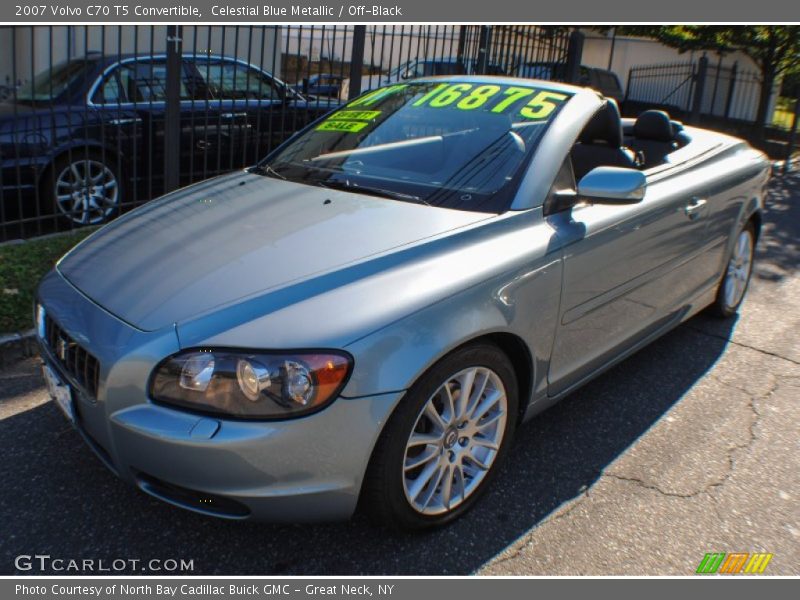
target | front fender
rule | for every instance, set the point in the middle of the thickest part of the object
(523, 302)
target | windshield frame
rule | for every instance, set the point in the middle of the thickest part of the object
(507, 192)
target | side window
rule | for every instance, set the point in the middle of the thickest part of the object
(146, 81)
(446, 68)
(233, 81)
(608, 81)
(440, 68)
(421, 69)
(110, 90)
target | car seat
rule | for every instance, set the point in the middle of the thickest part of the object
(600, 143)
(654, 137)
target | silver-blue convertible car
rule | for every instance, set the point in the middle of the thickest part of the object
(368, 315)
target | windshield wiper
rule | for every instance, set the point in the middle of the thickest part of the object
(266, 170)
(363, 189)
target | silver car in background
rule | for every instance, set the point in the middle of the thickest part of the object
(368, 315)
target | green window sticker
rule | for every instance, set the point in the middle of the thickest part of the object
(379, 94)
(356, 115)
(342, 126)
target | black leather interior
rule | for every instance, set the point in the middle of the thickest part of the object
(654, 137)
(600, 143)
(654, 125)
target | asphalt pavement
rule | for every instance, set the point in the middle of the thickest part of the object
(688, 447)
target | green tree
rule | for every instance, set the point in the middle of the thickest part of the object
(774, 48)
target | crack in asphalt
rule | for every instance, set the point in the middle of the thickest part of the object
(709, 488)
(740, 344)
(652, 486)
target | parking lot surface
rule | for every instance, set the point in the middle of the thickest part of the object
(688, 447)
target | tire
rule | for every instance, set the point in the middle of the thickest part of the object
(736, 278)
(462, 456)
(64, 191)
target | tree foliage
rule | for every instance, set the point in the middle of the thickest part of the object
(774, 46)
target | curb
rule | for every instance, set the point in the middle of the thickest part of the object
(16, 346)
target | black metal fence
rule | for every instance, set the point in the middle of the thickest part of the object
(714, 95)
(696, 88)
(95, 120)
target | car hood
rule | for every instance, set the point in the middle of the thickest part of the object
(222, 241)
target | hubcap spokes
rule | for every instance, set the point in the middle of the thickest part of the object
(455, 441)
(738, 271)
(86, 192)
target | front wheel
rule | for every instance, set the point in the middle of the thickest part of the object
(445, 442)
(85, 189)
(738, 270)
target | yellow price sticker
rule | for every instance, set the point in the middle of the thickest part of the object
(498, 99)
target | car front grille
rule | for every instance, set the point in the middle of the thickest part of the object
(75, 360)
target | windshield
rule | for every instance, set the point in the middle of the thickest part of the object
(51, 83)
(451, 144)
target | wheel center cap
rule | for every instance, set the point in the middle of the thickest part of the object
(450, 438)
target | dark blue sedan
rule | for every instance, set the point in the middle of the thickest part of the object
(86, 137)
(322, 84)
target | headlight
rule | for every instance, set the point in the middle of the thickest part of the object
(257, 385)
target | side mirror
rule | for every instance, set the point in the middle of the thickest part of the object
(612, 185)
(407, 74)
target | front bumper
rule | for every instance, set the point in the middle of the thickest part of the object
(305, 469)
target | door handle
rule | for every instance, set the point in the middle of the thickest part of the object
(125, 121)
(695, 207)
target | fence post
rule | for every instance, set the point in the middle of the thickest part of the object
(716, 85)
(172, 110)
(731, 88)
(627, 87)
(462, 44)
(574, 56)
(787, 165)
(357, 60)
(699, 89)
(483, 49)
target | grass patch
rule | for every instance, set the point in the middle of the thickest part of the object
(21, 267)
(783, 116)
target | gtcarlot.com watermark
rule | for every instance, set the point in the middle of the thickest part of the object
(48, 563)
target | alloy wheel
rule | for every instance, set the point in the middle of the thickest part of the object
(455, 441)
(738, 272)
(87, 192)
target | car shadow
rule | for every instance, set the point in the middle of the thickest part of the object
(59, 500)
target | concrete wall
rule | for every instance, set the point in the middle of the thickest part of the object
(636, 52)
(629, 52)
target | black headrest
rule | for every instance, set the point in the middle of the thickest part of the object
(654, 125)
(604, 126)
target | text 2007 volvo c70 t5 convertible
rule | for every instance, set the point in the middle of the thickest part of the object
(370, 312)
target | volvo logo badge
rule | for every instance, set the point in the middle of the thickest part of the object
(451, 438)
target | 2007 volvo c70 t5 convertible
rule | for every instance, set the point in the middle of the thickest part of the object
(369, 313)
